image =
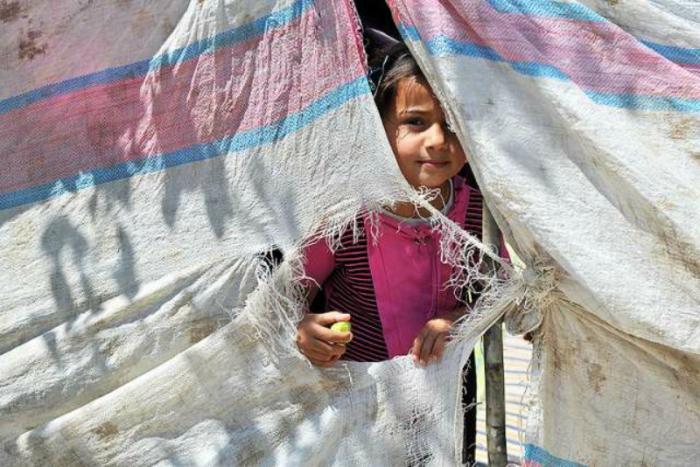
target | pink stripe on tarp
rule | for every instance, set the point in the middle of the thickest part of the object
(691, 67)
(597, 56)
(238, 88)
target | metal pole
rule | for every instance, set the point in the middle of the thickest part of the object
(493, 362)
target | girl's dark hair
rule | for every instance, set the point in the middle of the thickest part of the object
(387, 67)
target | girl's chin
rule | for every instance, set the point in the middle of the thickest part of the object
(430, 183)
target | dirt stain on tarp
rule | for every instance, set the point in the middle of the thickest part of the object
(561, 358)
(681, 130)
(105, 430)
(200, 330)
(167, 27)
(143, 21)
(9, 11)
(110, 347)
(596, 376)
(29, 46)
(690, 366)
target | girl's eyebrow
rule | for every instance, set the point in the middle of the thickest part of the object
(415, 110)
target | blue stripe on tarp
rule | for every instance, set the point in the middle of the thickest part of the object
(442, 46)
(241, 33)
(545, 459)
(547, 8)
(198, 152)
(408, 32)
(675, 54)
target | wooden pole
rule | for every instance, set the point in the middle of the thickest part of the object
(493, 362)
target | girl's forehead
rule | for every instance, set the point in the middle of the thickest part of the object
(415, 93)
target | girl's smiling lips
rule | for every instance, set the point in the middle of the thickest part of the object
(433, 163)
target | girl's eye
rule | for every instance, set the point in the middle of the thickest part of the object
(414, 122)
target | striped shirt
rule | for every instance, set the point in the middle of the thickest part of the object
(348, 284)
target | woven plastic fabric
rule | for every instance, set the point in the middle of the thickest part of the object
(154, 149)
(583, 122)
(151, 151)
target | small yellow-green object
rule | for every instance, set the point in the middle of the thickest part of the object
(341, 326)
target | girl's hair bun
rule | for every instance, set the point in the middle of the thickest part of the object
(376, 41)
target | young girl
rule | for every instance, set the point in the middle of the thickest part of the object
(393, 290)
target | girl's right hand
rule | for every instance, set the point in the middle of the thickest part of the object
(322, 346)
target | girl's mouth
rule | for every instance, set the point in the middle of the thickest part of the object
(433, 164)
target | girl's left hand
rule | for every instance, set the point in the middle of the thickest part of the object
(431, 340)
(430, 343)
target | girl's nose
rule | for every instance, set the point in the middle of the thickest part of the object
(437, 139)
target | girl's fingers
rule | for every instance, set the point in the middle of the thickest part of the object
(323, 361)
(319, 344)
(320, 355)
(438, 347)
(325, 348)
(316, 356)
(427, 349)
(418, 345)
(325, 334)
(330, 317)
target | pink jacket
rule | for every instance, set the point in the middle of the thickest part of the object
(407, 274)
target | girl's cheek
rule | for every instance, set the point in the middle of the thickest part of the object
(402, 134)
(459, 152)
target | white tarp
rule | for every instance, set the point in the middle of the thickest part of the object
(585, 134)
(153, 149)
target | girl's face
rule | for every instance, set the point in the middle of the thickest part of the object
(427, 152)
